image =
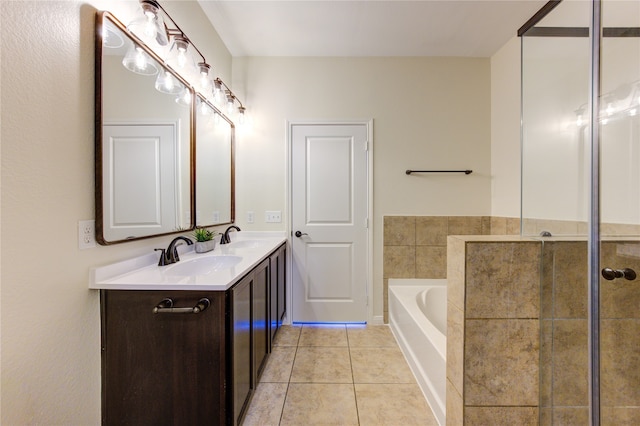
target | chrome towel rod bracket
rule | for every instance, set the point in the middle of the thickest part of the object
(466, 172)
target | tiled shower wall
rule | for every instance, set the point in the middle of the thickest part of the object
(564, 356)
(416, 246)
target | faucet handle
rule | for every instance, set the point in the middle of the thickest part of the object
(163, 256)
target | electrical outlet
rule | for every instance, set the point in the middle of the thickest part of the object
(250, 217)
(273, 216)
(86, 234)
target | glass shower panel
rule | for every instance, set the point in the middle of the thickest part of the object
(620, 213)
(555, 145)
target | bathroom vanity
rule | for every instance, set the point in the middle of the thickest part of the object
(181, 348)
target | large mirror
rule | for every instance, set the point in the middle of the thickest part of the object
(145, 145)
(214, 165)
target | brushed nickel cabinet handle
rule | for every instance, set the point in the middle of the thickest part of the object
(166, 307)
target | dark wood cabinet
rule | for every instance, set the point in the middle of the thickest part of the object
(277, 288)
(185, 368)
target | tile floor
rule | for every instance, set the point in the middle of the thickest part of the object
(337, 375)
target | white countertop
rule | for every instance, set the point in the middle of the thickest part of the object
(245, 252)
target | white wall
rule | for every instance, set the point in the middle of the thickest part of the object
(505, 130)
(50, 320)
(428, 113)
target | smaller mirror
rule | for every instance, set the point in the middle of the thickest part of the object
(214, 166)
(144, 134)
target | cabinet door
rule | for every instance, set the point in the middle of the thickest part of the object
(241, 346)
(282, 284)
(273, 298)
(160, 368)
(259, 319)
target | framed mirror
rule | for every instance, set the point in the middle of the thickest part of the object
(215, 183)
(148, 137)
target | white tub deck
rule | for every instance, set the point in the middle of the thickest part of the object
(423, 344)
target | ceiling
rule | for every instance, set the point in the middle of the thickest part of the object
(472, 28)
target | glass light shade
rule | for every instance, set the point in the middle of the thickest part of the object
(167, 83)
(138, 61)
(184, 98)
(205, 83)
(111, 36)
(217, 92)
(204, 109)
(180, 58)
(230, 104)
(149, 26)
(241, 115)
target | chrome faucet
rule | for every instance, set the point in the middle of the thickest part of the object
(170, 255)
(224, 239)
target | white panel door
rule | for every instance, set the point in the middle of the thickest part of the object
(139, 167)
(329, 222)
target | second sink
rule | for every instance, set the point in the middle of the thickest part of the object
(202, 265)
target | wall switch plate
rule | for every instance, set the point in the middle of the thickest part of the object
(273, 216)
(250, 217)
(86, 234)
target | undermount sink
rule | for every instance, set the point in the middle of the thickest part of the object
(246, 244)
(202, 265)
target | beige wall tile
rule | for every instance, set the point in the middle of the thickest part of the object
(513, 226)
(431, 230)
(570, 278)
(455, 406)
(399, 262)
(399, 230)
(500, 416)
(570, 363)
(620, 362)
(431, 262)
(503, 280)
(498, 225)
(546, 283)
(571, 416)
(455, 347)
(456, 261)
(546, 362)
(486, 225)
(620, 416)
(465, 225)
(501, 362)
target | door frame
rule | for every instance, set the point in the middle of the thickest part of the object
(289, 203)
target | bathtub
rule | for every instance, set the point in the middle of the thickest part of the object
(418, 320)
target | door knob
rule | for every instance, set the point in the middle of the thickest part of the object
(300, 234)
(612, 274)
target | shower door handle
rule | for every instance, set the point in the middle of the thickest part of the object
(612, 274)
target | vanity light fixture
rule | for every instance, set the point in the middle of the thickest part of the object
(153, 29)
(184, 98)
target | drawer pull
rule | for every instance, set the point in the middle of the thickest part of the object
(166, 307)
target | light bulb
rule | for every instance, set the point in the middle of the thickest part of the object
(241, 114)
(216, 118)
(633, 112)
(205, 80)
(579, 121)
(184, 98)
(204, 109)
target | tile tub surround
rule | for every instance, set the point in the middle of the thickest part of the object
(493, 330)
(416, 246)
(337, 374)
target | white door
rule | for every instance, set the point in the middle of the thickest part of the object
(329, 209)
(139, 185)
